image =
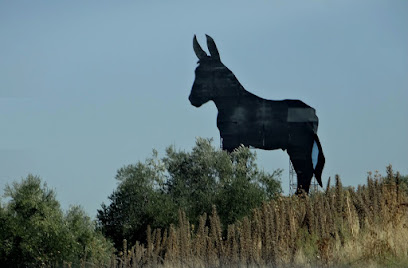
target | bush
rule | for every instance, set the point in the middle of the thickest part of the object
(35, 232)
(151, 193)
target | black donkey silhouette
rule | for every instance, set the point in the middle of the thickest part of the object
(244, 118)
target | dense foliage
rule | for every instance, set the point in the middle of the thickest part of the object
(34, 231)
(151, 193)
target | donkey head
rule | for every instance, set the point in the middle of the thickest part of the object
(212, 77)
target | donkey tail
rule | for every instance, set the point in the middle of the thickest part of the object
(318, 167)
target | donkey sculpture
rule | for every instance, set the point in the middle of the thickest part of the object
(244, 118)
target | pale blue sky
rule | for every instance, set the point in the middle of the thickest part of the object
(87, 87)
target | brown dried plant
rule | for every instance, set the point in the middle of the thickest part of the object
(337, 227)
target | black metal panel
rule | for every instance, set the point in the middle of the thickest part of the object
(244, 118)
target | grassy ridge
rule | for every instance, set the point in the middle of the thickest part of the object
(363, 227)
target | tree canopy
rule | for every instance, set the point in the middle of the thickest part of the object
(35, 232)
(151, 193)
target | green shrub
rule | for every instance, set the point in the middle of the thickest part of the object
(151, 193)
(36, 233)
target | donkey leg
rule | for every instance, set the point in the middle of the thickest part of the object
(302, 162)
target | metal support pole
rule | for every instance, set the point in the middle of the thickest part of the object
(314, 186)
(292, 179)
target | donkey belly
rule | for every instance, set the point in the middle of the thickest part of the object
(261, 136)
(276, 137)
(233, 134)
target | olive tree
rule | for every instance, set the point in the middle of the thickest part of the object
(36, 233)
(152, 192)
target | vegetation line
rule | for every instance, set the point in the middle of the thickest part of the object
(208, 208)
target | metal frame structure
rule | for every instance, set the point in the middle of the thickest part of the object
(292, 179)
(314, 186)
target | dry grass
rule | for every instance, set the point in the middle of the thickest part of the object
(340, 227)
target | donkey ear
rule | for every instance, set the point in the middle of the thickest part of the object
(212, 48)
(198, 50)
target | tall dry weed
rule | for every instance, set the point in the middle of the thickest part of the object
(337, 227)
